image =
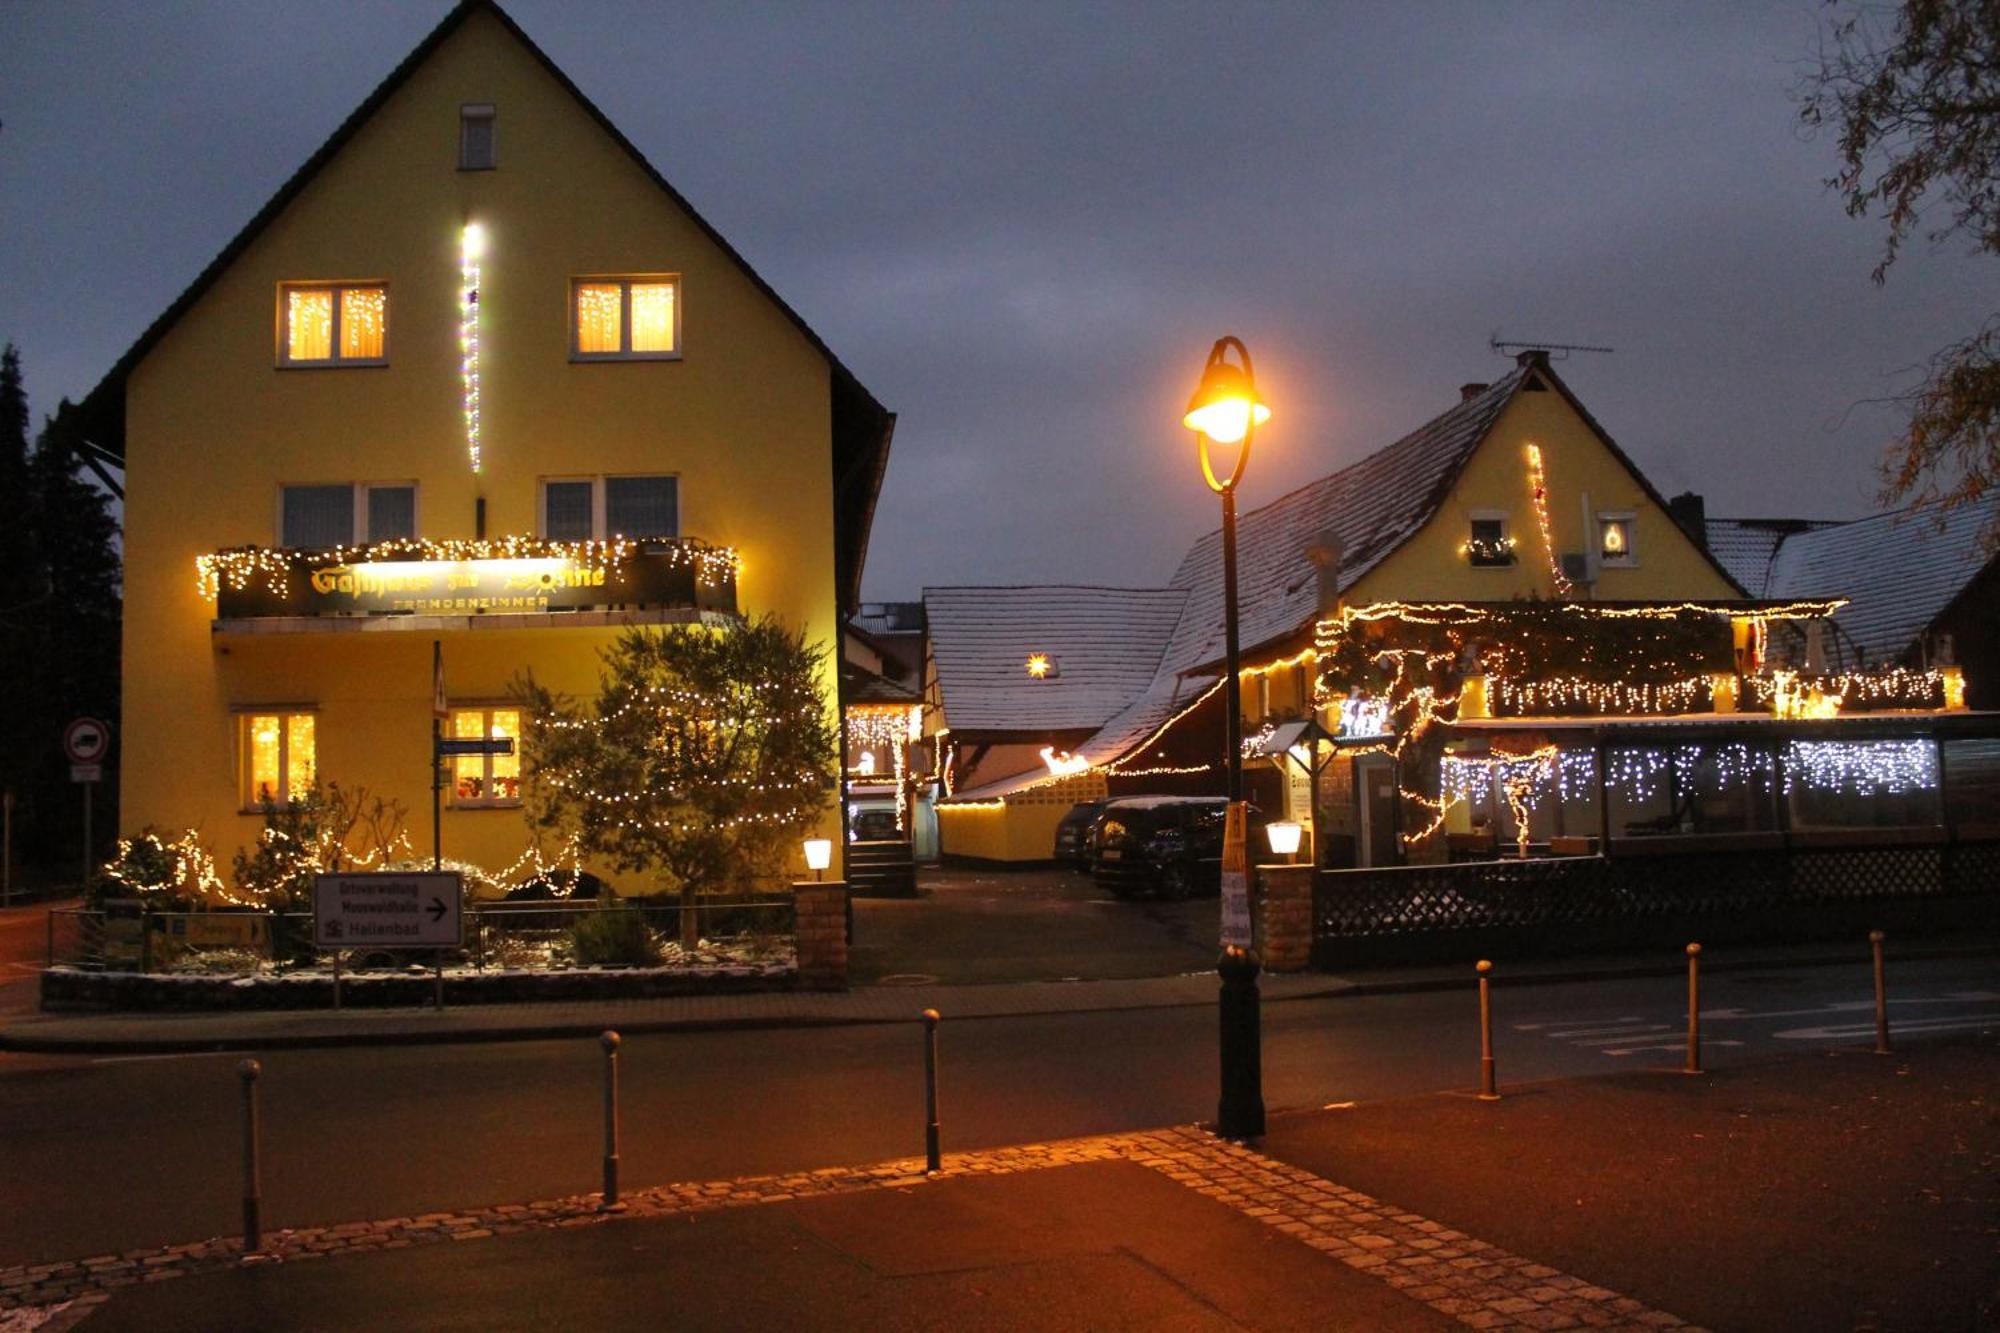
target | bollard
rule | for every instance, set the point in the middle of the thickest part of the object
(253, 1194)
(1693, 1065)
(930, 1091)
(609, 1040)
(1487, 1092)
(1875, 938)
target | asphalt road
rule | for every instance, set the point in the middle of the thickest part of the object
(111, 1153)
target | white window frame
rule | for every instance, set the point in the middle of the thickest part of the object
(471, 111)
(485, 708)
(597, 506)
(1630, 518)
(362, 536)
(334, 360)
(625, 281)
(241, 716)
(1505, 521)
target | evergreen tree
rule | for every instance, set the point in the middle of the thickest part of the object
(25, 592)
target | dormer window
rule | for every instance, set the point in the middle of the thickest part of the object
(1614, 541)
(476, 146)
(1488, 544)
(333, 324)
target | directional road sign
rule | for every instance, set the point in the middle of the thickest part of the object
(387, 910)
(451, 745)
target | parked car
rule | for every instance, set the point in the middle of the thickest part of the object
(1076, 835)
(874, 826)
(1164, 846)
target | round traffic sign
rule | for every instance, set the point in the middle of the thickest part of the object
(86, 739)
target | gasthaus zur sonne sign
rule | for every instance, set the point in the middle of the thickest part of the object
(384, 910)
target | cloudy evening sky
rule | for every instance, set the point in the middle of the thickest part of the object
(1022, 224)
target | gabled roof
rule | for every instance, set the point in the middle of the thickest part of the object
(1373, 506)
(861, 426)
(1104, 645)
(859, 685)
(1744, 546)
(1899, 571)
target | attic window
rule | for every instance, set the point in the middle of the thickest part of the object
(1614, 540)
(625, 319)
(476, 149)
(1488, 544)
(333, 324)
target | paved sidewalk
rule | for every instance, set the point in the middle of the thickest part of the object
(125, 1033)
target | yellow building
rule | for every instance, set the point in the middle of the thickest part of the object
(479, 326)
(1513, 492)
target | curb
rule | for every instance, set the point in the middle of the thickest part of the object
(1335, 988)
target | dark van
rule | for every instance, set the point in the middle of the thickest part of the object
(1075, 835)
(1164, 846)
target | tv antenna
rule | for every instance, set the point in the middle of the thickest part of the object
(1556, 351)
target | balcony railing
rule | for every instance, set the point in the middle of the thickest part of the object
(509, 576)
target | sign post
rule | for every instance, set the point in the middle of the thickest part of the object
(440, 709)
(386, 910)
(85, 740)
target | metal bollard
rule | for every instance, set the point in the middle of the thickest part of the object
(1875, 938)
(1487, 1091)
(931, 1157)
(253, 1194)
(609, 1040)
(1693, 1065)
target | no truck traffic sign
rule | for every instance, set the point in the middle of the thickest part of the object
(387, 910)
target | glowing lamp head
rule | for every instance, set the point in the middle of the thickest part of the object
(1225, 407)
(819, 854)
(472, 242)
(1284, 837)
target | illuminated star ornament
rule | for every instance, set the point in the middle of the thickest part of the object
(472, 245)
(1040, 666)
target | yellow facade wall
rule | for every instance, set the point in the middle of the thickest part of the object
(1021, 827)
(214, 429)
(1577, 466)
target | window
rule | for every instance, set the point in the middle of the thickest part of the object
(333, 324)
(476, 147)
(316, 517)
(1614, 540)
(1488, 545)
(583, 508)
(486, 779)
(278, 758)
(625, 319)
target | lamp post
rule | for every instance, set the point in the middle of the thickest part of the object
(1225, 410)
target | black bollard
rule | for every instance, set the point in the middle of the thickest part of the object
(932, 1156)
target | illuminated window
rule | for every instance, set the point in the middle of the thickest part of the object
(486, 779)
(319, 516)
(476, 145)
(334, 324)
(625, 319)
(279, 758)
(1488, 545)
(1614, 540)
(587, 508)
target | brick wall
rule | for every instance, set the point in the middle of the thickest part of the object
(822, 924)
(1284, 917)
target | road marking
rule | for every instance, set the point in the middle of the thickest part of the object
(1855, 1006)
(1667, 1046)
(1587, 1035)
(1831, 1032)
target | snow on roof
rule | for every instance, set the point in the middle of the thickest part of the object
(1744, 546)
(1899, 571)
(1103, 646)
(1372, 506)
(1169, 694)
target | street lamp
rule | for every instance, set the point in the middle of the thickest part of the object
(1284, 837)
(1225, 410)
(819, 855)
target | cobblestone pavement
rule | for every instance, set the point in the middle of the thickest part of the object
(1475, 1283)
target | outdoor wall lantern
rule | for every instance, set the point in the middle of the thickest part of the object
(819, 855)
(1284, 837)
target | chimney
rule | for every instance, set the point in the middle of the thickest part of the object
(1691, 512)
(1324, 552)
(1468, 392)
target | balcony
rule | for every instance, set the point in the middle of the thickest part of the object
(510, 583)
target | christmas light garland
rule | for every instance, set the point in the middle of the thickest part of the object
(472, 244)
(1538, 492)
(238, 567)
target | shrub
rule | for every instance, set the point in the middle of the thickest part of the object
(614, 937)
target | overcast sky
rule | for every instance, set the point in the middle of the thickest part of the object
(1022, 224)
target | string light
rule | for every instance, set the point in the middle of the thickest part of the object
(472, 245)
(1538, 491)
(1570, 694)
(237, 567)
